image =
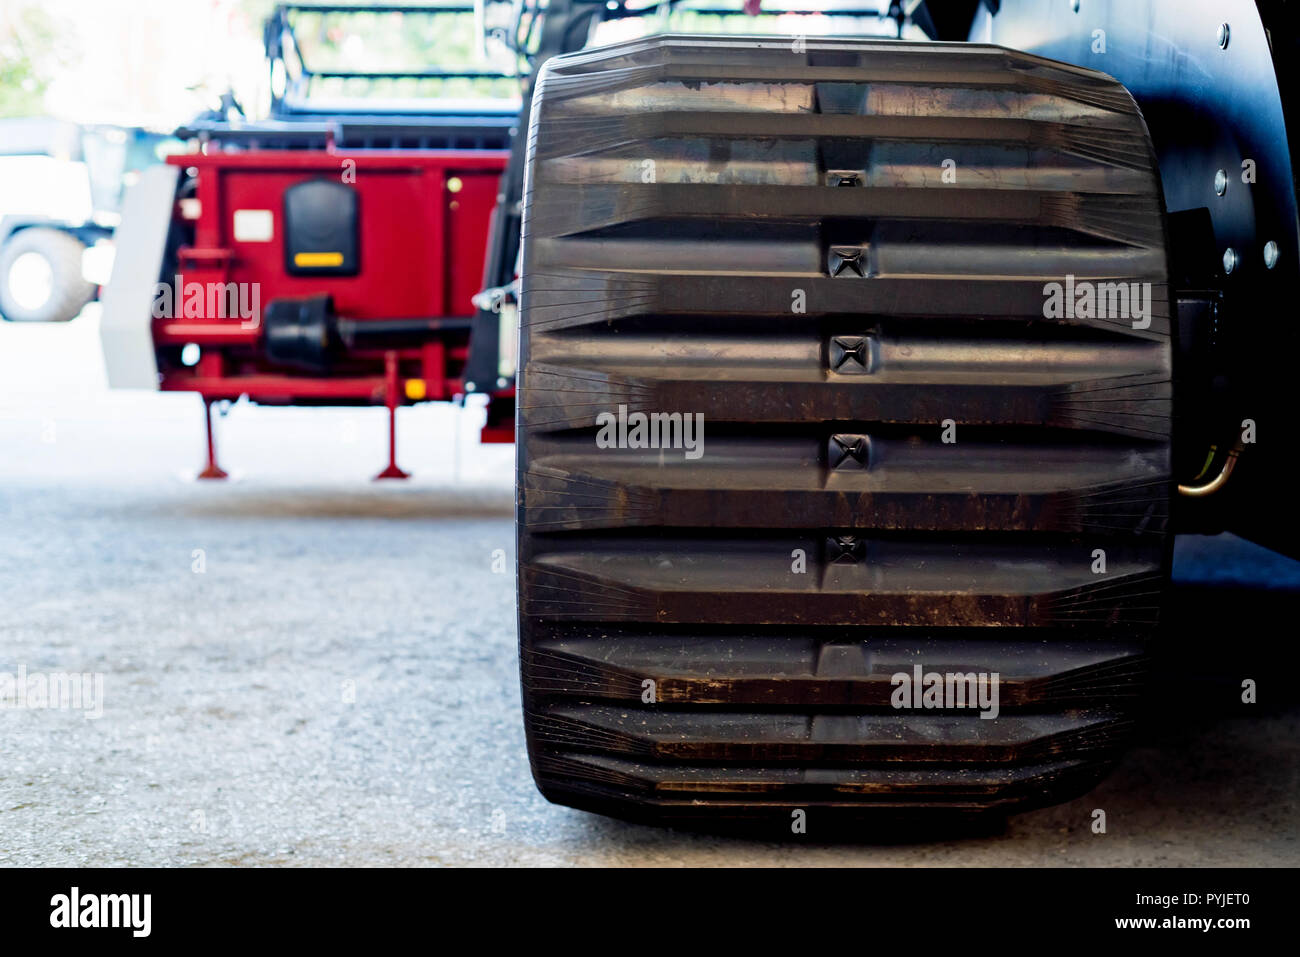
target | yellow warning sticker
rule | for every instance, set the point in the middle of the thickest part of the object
(317, 259)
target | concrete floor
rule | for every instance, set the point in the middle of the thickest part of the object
(338, 685)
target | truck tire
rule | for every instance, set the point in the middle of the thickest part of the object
(40, 276)
(919, 296)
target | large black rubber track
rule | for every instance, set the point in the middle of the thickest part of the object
(839, 253)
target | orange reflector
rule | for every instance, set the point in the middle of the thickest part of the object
(317, 259)
(415, 390)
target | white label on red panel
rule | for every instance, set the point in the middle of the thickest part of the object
(254, 226)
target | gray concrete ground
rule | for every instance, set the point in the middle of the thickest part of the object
(302, 667)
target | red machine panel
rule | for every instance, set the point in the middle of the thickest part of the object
(421, 243)
(396, 330)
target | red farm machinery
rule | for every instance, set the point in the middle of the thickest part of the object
(333, 253)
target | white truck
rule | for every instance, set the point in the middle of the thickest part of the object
(61, 184)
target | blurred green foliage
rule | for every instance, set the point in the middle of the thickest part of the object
(27, 59)
(395, 42)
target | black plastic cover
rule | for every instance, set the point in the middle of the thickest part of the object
(321, 229)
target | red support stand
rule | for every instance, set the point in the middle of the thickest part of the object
(391, 400)
(213, 471)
